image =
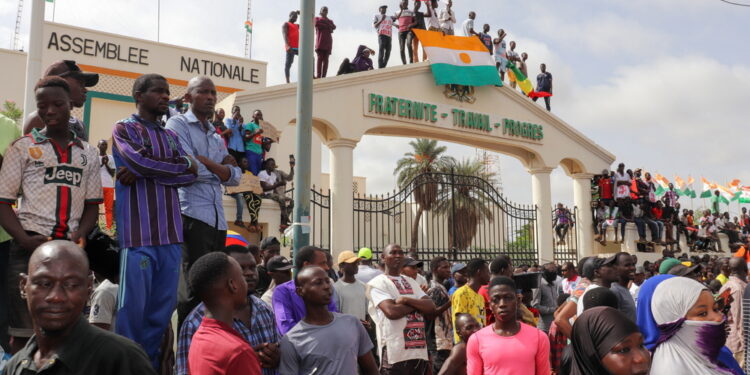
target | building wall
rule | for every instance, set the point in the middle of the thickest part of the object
(13, 76)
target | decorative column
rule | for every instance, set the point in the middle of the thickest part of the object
(342, 195)
(541, 195)
(584, 220)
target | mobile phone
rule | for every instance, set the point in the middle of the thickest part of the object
(291, 158)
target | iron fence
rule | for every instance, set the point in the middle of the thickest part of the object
(320, 217)
(565, 244)
(457, 216)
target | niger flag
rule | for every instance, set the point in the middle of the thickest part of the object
(458, 60)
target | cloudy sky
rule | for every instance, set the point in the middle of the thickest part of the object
(662, 84)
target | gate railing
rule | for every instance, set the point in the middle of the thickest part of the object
(457, 216)
(565, 240)
(320, 217)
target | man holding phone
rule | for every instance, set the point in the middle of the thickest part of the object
(273, 182)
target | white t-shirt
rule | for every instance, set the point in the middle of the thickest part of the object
(468, 26)
(107, 181)
(269, 178)
(634, 289)
(379, 296)
(352, 298)
(569, 285)
(367, 273)
(447, 19)
(104, 304)
(433, 22)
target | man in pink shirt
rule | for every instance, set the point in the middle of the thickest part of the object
(217, 349)
(525, 348)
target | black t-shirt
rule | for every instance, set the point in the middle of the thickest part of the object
(263, 280)
(419, 19)
(87, 350)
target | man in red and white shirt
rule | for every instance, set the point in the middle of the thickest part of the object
(383, 23)
(57, 177)
(570, 278)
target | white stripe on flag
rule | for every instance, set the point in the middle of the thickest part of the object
(439, 55)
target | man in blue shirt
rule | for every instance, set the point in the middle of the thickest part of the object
(235, 144)
(204, 226)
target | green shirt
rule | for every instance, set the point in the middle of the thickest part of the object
(252, 144)
(9, 132)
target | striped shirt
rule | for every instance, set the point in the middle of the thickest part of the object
(55, 183)
(148, 211)
(262, 330)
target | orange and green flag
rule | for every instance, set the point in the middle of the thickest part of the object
(249, 26)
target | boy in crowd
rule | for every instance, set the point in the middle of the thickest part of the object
(254, 321)
(440, 329)
(216, 348)
(280, 271)
(324, 342)
(351, 292)
(288, 306)
(467, 299)
(57, 175)
(104, 303)
(456, 362)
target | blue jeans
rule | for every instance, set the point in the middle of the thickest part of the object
(148, 294)
(290, 53)
(238, 202)
(254, 162)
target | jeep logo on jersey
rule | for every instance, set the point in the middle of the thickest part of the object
(63, 174)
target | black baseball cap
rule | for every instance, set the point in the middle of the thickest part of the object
(68, 68)
(268, 241)
(383, 6)
(411, 262)
(279, 263)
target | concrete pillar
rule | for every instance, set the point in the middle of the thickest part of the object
(342, 195)
(582, 200)
(541, 195)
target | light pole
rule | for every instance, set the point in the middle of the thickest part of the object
(34, 58)
(301, 215)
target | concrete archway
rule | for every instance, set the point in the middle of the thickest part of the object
(404, 101)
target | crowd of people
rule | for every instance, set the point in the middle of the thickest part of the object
(629, 196)
(79, 303)
(411, 15)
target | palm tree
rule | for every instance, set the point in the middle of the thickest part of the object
(466, 202)
(413, 169)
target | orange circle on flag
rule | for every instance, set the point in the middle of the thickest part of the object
(465, 58)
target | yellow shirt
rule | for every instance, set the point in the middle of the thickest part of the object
(466, 301)
(722, 279)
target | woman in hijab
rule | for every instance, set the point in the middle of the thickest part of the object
(691, 329)
(650, 329)
(605, 342)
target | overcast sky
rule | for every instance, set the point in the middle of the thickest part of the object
(662, 84)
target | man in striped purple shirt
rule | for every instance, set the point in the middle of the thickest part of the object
(151, 166)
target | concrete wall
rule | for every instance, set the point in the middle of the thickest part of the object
(13, 65)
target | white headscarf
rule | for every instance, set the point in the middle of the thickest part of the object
(681, 353)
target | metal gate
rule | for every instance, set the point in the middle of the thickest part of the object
(457, 216)
(565, 240)
(320, 217)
